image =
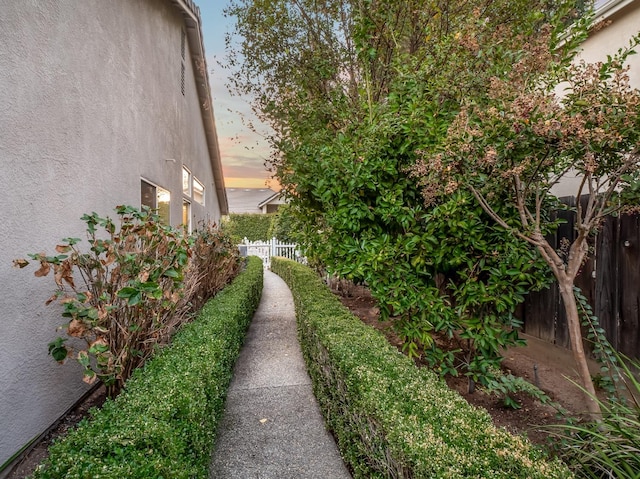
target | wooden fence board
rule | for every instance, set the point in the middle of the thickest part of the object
(610, 279)
(629, 274)
(605, 303)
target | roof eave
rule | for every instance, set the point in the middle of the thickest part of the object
(270, 199)
(193, 29)
(610, 8)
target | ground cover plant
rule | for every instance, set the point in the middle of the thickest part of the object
(609, 447)
(135, 286)
(163, 423)
(390, 418)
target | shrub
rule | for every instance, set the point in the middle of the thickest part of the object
(283, 225)
(609, 447)
(213, 262)
(253, 226)
(163, 423)
(133, 288)
(390, 418)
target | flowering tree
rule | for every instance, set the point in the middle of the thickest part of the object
(551, 117)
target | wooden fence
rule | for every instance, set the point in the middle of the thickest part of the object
(610, 279)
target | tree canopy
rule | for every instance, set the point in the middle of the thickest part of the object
(359, 92)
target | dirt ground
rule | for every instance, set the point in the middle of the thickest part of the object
(553, 364)
(38, 453)
(549, 366)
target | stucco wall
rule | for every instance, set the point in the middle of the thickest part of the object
(90, 101)
(623, 25)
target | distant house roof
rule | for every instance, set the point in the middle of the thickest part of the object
(272, 198)
(249, 200)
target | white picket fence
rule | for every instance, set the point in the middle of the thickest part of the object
(266, 249)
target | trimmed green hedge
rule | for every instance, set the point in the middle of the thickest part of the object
(253, 226)
(390, 418)
(163, 424)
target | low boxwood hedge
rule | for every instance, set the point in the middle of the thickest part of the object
(390, 418)
(163, 424)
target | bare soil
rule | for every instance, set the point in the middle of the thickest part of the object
(39, 451)
(545, 365)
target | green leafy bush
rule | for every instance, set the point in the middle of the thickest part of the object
(284, 225)
(163, 423)
(133, 289)
(253, 226)
(390, 418)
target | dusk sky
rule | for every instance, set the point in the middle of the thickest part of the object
(243, 152)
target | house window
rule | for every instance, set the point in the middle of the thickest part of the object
(186, 181)
(186, 215)
(198, 191)
(156, 199)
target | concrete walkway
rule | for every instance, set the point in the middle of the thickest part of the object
(272, 426)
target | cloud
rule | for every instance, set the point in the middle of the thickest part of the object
(243, 152)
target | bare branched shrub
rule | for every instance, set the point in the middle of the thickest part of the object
(135, 286)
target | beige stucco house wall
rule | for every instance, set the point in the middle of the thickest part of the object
(623, 18)
(96, 97)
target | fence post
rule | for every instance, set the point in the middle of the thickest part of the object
(273, 246)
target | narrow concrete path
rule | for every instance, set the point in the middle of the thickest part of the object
(272, 426)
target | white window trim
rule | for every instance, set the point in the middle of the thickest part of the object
(189, 193)
(610, 8)
(157, 186)
(204, 191)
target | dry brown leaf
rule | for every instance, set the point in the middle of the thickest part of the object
(20, 263)
(76, 328)
(63, 248)
(44, 269)
(51, 299)
(99, 342)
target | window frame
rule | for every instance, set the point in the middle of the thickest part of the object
(165, 212)
(193, 190)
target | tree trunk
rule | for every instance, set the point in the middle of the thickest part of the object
(575, 336)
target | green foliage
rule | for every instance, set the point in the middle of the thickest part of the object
(390, 418)
(505, 385)
(253, 226)
(510, 144)
(135, 286)
(609, 447)
(283, 225)
(356, 92)
(163, 423)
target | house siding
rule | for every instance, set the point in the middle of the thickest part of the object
(90, 102)
(624, 23)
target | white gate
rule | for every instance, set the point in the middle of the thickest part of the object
(266, 249)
